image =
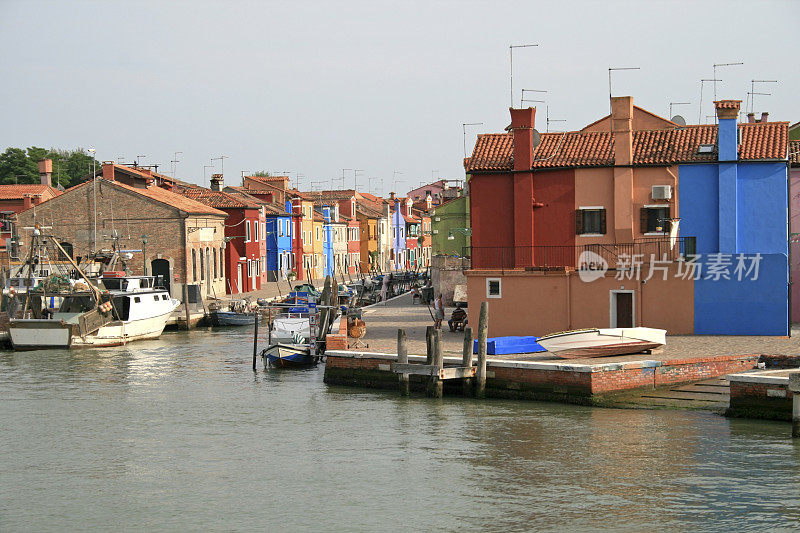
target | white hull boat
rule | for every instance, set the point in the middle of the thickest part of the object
(139, 312)
(294, 329)
(603, 342)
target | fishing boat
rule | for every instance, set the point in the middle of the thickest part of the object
(237, 314)
(130, 308)
(602, 342)
(289, 355)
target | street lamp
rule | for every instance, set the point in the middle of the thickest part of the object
(94, 192)
(144, 253)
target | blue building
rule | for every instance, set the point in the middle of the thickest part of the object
(398, 236)
(278, 241)
(737, 208)
(327, 243)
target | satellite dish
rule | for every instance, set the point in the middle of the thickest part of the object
(679, 120)
(537, 138)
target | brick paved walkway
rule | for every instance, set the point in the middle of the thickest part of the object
(383, 322)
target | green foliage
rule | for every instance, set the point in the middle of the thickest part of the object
(262, 174)
(70, 167)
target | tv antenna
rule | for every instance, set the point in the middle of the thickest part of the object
(715, 74)
(671, 104)
(549, 120)
(511, 65)
(610, 69)
(702, 83)
(522, 98)
(464, 128)
(753, 92)
(174, 163)
(222, 159)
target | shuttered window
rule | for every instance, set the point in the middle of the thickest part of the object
(655, 219)
(590, 221)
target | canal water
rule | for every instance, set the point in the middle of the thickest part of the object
(179, 434)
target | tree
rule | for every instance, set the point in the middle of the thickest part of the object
(70, 167)
(262, 174)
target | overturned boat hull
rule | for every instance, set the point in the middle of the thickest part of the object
(603, 342)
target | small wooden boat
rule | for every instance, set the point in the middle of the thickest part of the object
(232, 318)
(602, 342)
(289, 355)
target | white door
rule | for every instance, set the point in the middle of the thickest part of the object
(239, 279)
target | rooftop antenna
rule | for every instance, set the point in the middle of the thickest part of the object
(297, 177)
(120, 159)
(464, 128)
(549, 120)
(522, 98)
(204, 172)
(753, 92)
(394, 180)
(174, 163)
(221, 158)
(671, 104)
(715, 74)
(136, 161)
(355, 177)
(369, 183)
(610, 69)
(511, 65)
(700, 110)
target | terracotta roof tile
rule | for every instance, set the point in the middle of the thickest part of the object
(727, 104)
(651, 147)
(16, 192)
(219, 199)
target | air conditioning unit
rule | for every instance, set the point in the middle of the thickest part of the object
(661, 192)
(436, 232)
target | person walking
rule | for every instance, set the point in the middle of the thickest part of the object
(438, 312)
(384, 288)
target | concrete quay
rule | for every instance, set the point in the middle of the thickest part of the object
(542, 376)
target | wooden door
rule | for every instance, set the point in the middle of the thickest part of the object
(624, 309)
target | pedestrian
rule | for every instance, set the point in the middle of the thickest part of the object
(384, 288)
(438, 312)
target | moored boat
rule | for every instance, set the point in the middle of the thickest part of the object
(289, 355)
(602, 342)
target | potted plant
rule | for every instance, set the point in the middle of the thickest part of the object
(292, 275)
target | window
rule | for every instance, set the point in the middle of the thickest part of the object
(202, 270)
(164, 297)
(317, 232)
(214, 253)
(493, 288)
(221, 264)
(255, 230)
(136, 299)
(194, 265)
(655, 219)
(155, 297)
(280, 228)
(590, 221)
(246, 231)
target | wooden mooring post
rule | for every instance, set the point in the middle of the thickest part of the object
(794, 387)
(436, 384)
(466, 359)
(255, 340)
(429, 345)
(483, 329)
(186, 303)
(402, 358)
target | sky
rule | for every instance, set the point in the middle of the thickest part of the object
(320, 89)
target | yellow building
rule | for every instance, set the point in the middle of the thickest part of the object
(368, 214)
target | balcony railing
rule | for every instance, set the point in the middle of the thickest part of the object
(552, 257)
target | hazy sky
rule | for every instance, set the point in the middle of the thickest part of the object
(315, 87)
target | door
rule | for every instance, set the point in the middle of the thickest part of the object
(624, 310)
(239, 278)
(160, 269)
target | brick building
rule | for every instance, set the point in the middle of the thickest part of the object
(184, 238)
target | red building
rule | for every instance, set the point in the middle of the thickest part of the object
(245, 254)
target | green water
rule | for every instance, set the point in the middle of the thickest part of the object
(179, 434)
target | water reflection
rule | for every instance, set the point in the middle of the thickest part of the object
(178, 433)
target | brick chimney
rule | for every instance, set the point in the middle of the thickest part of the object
(764, 117)
(391, 196)
(26, 201)
(622, 129)
(522, 124)
(108, 171)
(727, 134)
(216, 182)
(751, 117)
(46, 172)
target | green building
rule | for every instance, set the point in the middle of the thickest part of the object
(450, 218)
(794, 132)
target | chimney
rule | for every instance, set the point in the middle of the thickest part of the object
(26, 201)
(727, 131)
(108, 171)
(429, 201)
(764, 117)
(46, 172)
(391, 196)
(522, 124)
(751, 117)
(216, 182)
(622, 129)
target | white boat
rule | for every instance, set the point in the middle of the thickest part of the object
(602, 342)
(134, 309)
(294, 328)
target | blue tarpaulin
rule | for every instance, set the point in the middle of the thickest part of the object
(504, 345)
